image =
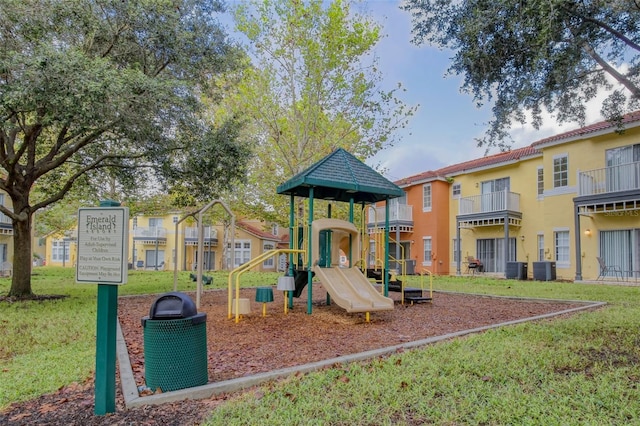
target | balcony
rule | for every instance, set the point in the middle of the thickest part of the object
(150, 235)
(610, 189)
(489, 203)
(625, 177)
(400, 218)
(493, 208)
(210, 236)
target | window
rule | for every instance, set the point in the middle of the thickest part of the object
(175, 220)
(59, 251)
(274, 229)
(426, 261)
(135, 223)
(455, 250)
(456, 190)
(561, 171)
(372, 253)
(496, 185)
(622, 170)
(398, 201)
(242, 252)
(155, 222)
(540, 247)
(270, 262)
(540, 181)
(426, 197)
(562, 247)
(490, 251)
(623, 155)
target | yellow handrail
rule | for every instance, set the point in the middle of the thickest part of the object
(428, 272)
(244, 268)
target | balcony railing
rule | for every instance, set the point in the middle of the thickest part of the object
(490, 202)
(625, 177)
(397, 213)
(210, 233)
(152, 232)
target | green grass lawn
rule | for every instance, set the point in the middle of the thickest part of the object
(578, 370)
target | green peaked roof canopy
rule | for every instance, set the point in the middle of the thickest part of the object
(340, 176)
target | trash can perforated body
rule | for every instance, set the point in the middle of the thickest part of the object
(175, 344)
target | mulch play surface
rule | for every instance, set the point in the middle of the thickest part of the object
(258, 344)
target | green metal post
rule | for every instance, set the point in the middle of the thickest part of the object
(309, 260)
(292, 245)
(107, 317)
(386, 247)
(105, 392)
(327, 248)
(350, 254)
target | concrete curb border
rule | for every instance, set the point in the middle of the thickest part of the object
(132, 398)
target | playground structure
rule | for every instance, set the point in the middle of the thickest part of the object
(318, 246)
(347, 286)
(199, 276)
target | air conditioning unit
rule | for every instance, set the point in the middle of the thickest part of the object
(544, 271)
(517, 270)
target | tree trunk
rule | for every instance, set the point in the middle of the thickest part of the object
(21, 280)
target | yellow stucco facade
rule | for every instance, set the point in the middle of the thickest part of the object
(155, 244)
(555, 206)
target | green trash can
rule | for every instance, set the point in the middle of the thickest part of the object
(175, 344)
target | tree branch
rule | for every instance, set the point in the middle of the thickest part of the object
(605, 27)
(635, 91)
(98, 163)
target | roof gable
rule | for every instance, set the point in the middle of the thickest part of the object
(341, 176)
(263, 235)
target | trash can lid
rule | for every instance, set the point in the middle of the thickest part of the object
(172, 305)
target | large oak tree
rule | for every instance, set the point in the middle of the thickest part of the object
(528, 56)
(91, 85)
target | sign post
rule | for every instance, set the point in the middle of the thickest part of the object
(102, 258)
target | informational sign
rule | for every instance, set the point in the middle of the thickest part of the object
(103, 235)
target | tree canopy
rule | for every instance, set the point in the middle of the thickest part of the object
(97, 90)
(314, 86)
(528, 56)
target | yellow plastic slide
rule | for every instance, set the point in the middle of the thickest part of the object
(351, 290)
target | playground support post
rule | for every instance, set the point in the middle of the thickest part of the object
(292, 222)
(386, 247)
(309, 260)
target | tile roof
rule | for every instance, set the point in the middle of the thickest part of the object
(257, 232)
(490, 160)
(515, 154)
(633, 117)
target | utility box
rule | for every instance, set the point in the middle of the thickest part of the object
(517, 270)
(175, 344)
(544, 271)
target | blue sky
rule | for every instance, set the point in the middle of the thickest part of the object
(442, 131)
(444, 128)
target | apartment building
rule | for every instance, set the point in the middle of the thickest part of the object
(159, 242)
(569, 204)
